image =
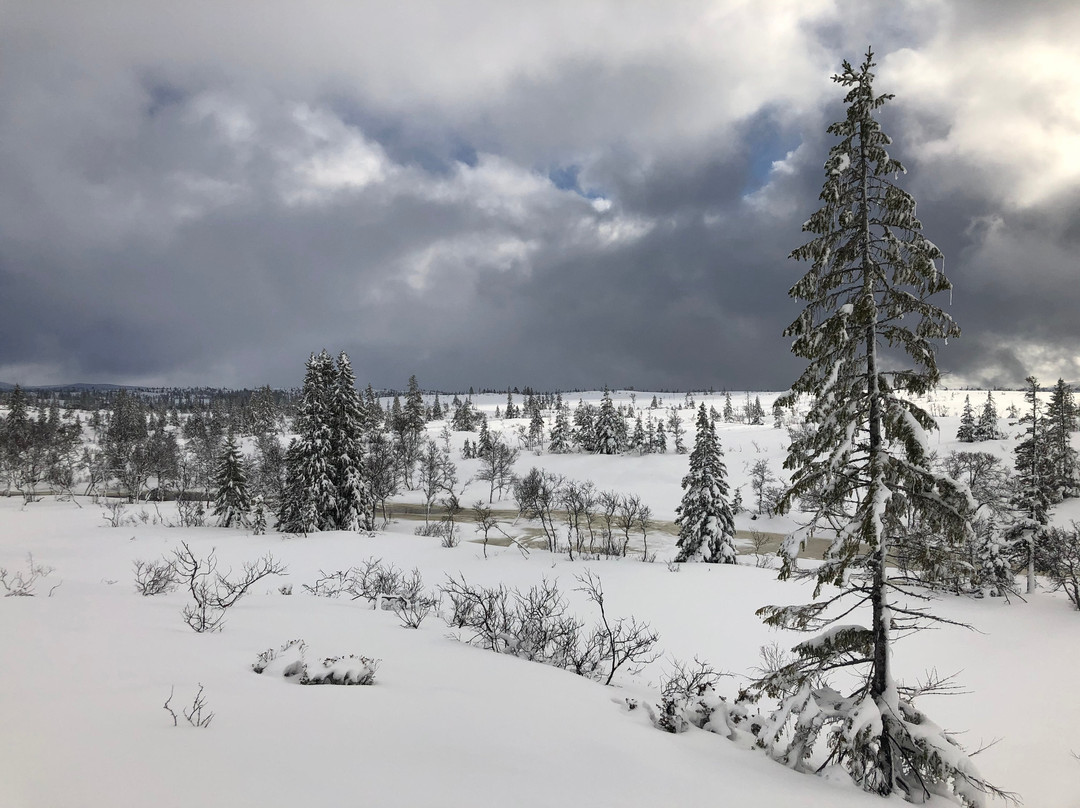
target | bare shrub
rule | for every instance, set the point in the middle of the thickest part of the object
(21, 584)
(430, 529)
(536, 625)
(190, 513)
(413, 612)
(213, 592)
(485, 520)
(116, 515)
(484, 611)
(759, 541)
(198, 715)
(633, 515)
(154, 577)
(1057, 552)
(625, 642)
(538, 494)
(382, 585)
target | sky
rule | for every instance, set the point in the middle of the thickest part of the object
(500, 194)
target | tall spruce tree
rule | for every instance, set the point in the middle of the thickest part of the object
(966, 431)
(609, 428)
(706, 524)
(987, 428)
(1060, 423)
(559, 442)
(1034, 472)
(310, 503)
(865, 462)
(1034, 469)
(354, 506)
(232, 501)
(536, 426)
(677, 430)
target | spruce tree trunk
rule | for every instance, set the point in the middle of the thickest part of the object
(880, 676)
(1035, 486)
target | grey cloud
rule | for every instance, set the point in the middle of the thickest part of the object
(208, 203)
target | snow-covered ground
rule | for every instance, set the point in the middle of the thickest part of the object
(84, 673)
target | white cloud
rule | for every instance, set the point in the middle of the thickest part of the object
(333, 158)
(1002, 106)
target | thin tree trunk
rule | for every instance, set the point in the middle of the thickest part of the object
(880, 683)
(1035, 483)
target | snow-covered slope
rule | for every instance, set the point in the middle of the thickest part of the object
(84, 673)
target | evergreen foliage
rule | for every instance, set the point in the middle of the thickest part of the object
(536, 426)
(326, 482)
(729, 410)
(1060, 423)
(706, 524)
(660, 438)
(559, 439)
(677, 430)
(355, 509)
(638, 440)
(609, 429)
(1034, 469)
(231, 499)
(864, 461)
(966, 432)
(987, 428)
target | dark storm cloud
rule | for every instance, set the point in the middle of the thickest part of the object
(557, 195)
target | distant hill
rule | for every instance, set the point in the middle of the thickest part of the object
(71, 388)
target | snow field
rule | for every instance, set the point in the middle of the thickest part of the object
(84, 674)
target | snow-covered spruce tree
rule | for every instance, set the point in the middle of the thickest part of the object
(559, 442)
(231, 499)
(677, 431)
(1060, 422)
(355, 508)
(864, 458)
(637, 437)
(1032, 460)
(706, 524)
(987, 428)
(660, 439)
(536, 428)
(966, 432)
(310, 501)
(584, 432)
(609, 428)
(1034, 473)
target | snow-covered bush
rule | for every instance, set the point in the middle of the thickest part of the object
(289, 662)
(688, 698)
(343, 670)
